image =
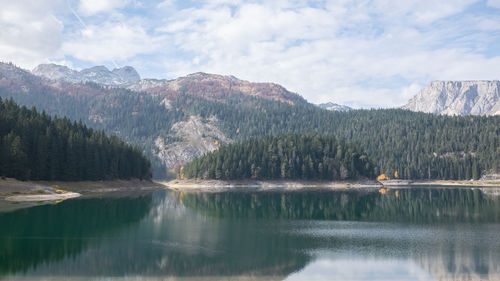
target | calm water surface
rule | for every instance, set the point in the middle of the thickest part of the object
(406, 234)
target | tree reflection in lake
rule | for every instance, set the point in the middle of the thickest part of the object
(431, 232)
(425, 205)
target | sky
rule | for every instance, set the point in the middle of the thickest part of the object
(359, 53)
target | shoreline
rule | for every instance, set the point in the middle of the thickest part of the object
(197, 185)
(265, 185)
(40, 191)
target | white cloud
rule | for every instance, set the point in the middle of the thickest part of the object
(358, 52)
(110, 41)
(364, 53)
(92, 7)
(30, 33)
(494, 3)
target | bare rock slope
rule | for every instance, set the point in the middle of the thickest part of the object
(458, 98)
(195, 137)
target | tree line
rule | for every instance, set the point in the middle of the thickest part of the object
(35, 146)
(292, 156)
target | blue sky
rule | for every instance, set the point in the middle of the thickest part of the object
(361, 53)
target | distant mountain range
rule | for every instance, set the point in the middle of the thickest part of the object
(334, 106)
(438, 97)
(210, 86)
(175, 121)
(458, 98)
(96, 74)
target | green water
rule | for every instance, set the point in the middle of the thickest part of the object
(406, 234)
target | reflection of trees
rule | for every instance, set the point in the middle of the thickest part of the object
(172, 240)
(165, 243)
(29, 237)
(409, 205)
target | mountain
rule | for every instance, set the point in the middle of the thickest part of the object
(96, 74)
(334, 106)
(174, 126)
(458, 98)
(215, 87)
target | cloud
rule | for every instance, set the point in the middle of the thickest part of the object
(494, 3)
(110, 41)
(92, 7)
(30, 33)
(367, 53)
(362, 53)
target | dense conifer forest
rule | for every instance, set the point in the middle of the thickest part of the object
(35, 146)
(416, 145)
(290, 156)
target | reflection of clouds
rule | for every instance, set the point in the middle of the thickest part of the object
(360, 269)
(172, 221)
(446, 252)
(165, 207)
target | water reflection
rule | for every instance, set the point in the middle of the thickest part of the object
(416, 205)
(43, 234)
(414, 234)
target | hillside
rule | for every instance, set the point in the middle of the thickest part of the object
(215, 87)
(35, 146)
(417, 145)
(308, 157)
(458, 98)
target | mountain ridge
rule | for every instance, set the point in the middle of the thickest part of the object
(206, 85)
(97, 74)
(215, 87)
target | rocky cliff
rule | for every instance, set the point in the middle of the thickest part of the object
(96, 74)
(458, 98)
(194, 137)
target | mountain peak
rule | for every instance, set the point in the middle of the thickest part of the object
(96, 69)
(334, 107)
(479, 97)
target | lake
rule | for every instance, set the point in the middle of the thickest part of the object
(418, 233)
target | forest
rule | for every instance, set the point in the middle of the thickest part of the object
(417, 145)
(292, 156)
(35, 146)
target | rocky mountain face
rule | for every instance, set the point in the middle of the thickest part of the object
(215, 87)
(458, 98)
(334, 107)
(195, 137)
(96, 74)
